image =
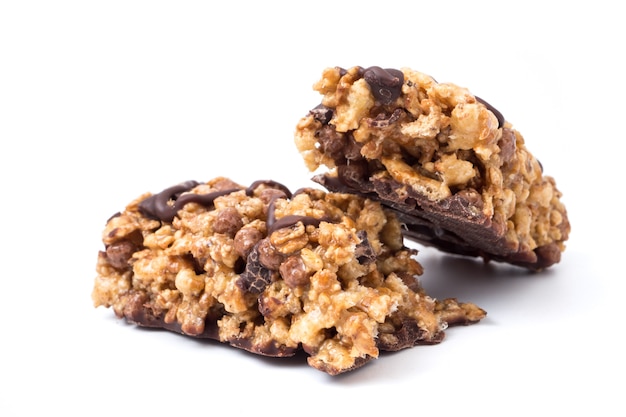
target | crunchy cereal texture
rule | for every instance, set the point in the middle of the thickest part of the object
(271, 272)
(458, 172)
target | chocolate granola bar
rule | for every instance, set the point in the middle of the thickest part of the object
(456, 172)
(272, 272)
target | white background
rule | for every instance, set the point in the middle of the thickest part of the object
(102, 101)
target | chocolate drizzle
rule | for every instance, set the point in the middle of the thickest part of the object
(273, 224)
(269, 183)
(492, 109)
(289, 221)
(158, 206)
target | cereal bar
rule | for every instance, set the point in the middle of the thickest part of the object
(272, 272)
(458, 175)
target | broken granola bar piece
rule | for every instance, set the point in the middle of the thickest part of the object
(458, 175)
(271, 272)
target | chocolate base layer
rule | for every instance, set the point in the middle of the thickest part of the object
(136, 312)
(450, 225)
(407, 335)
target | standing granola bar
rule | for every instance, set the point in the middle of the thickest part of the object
(458, 175)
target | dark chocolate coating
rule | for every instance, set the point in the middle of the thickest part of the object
(137, 314)
(449, 225)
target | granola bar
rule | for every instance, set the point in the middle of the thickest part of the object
(457, 173)
(272, 272)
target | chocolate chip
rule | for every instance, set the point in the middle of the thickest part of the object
(228, 222)
(322, 114)
(294, 272)
(507, 144)
(268, 256)
(245, 239)
(332, 143)
(119, 253)
(364, 252)
(269, 305)
(385, 84)
(256, 277)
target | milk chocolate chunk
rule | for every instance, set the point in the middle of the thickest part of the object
(385, 84)
(271, 272)
(452, 168)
